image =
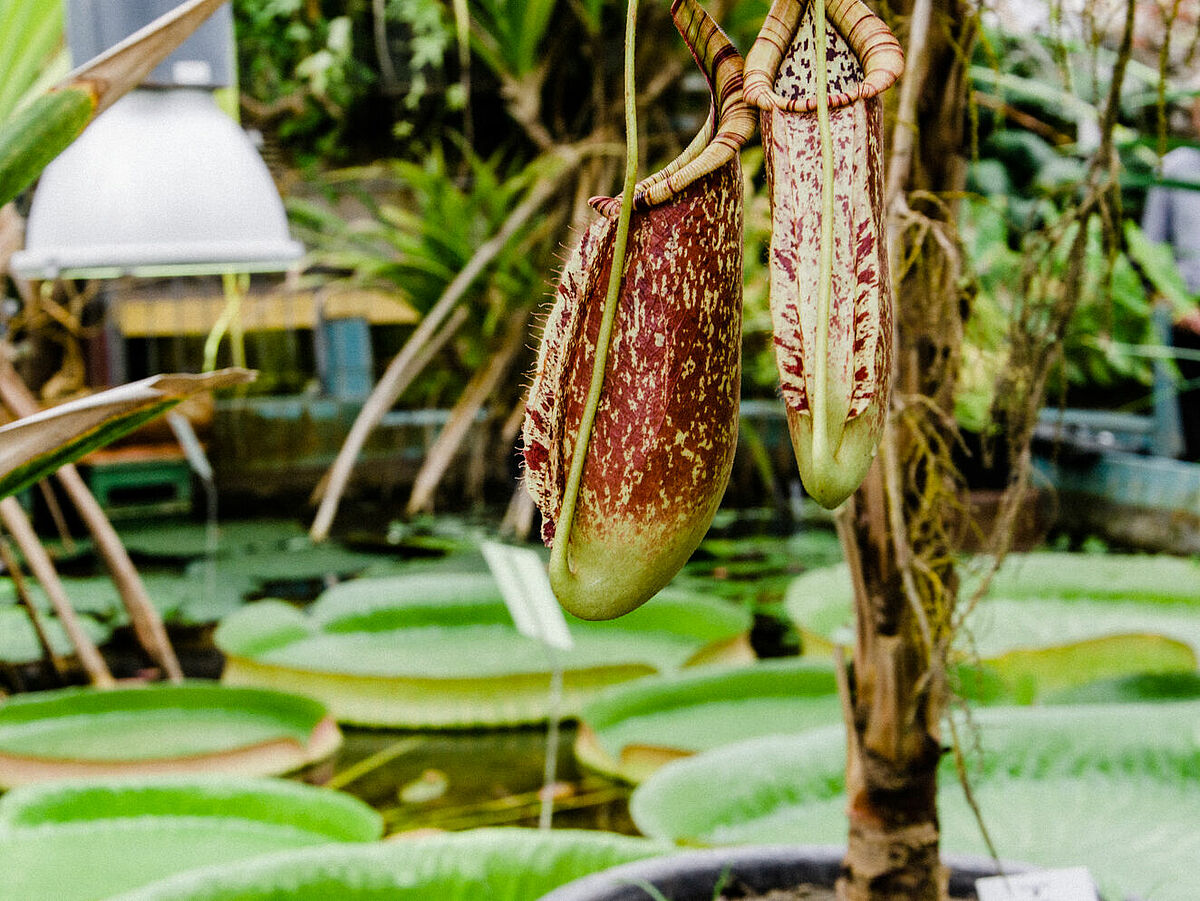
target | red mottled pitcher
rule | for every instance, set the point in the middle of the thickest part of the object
(661, 447)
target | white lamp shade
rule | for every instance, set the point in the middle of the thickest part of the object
(163, 183)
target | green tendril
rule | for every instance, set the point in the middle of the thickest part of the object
(819, 401)
(559, 564)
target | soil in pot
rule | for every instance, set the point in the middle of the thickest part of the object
(748, 873)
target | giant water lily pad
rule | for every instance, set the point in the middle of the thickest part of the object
(759, 567)
(496, 864)
(193, 597)
(300, 559)
(1141, 687)
(79, 841)
(439, 649)
(19, 640)
(160, 729)
(190, 540)
(632, 729)
(1026, 675)
(1050, 620)
(96, 597)
(1109, 786)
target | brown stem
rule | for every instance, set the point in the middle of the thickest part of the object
(143, 615)
(523, 99)
(898, 545)
(894, 748)
(518, 517)
(393, 381)
(147, 623)
(9, 559)
(17, 524)
(474, 396)
(382, 52)
(904, 135)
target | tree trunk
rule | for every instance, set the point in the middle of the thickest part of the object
(894, 530)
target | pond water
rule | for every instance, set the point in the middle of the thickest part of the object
(418, 780)
(459, 780)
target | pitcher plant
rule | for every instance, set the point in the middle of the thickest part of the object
(818, 95)
(631, 425)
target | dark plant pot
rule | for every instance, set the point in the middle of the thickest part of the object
(693, 875)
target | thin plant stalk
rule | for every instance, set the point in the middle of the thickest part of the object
(462, 32)
(399, 373)
(146, 620)
(17, 524)
(9, 559)
(144, 616)
(229, 322)
(481, 386)
(559, 560)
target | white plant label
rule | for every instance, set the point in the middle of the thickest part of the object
(1071, 884)
(525, 587)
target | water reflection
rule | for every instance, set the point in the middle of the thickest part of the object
(490, 778)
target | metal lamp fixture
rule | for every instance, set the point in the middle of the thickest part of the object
(163, 183)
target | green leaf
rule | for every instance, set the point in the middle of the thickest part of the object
(19, 642)
(261, 628)
(184, 728)
(1049, 96)
(334, 815)
(191, 539)
(1130, 831)
(589, 13)
(439, 649)
(1046, 602)
(190, 598)
(763, 781)
(30, 32)
(1111, 787)
(632, 729)
(496, 864)
(39, 133)
(1142, 687)
(1157, 263)
(299, 560)
(35, 446)
(52, 722)
(83, 841)
(1030, 674)
(1160, 579)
